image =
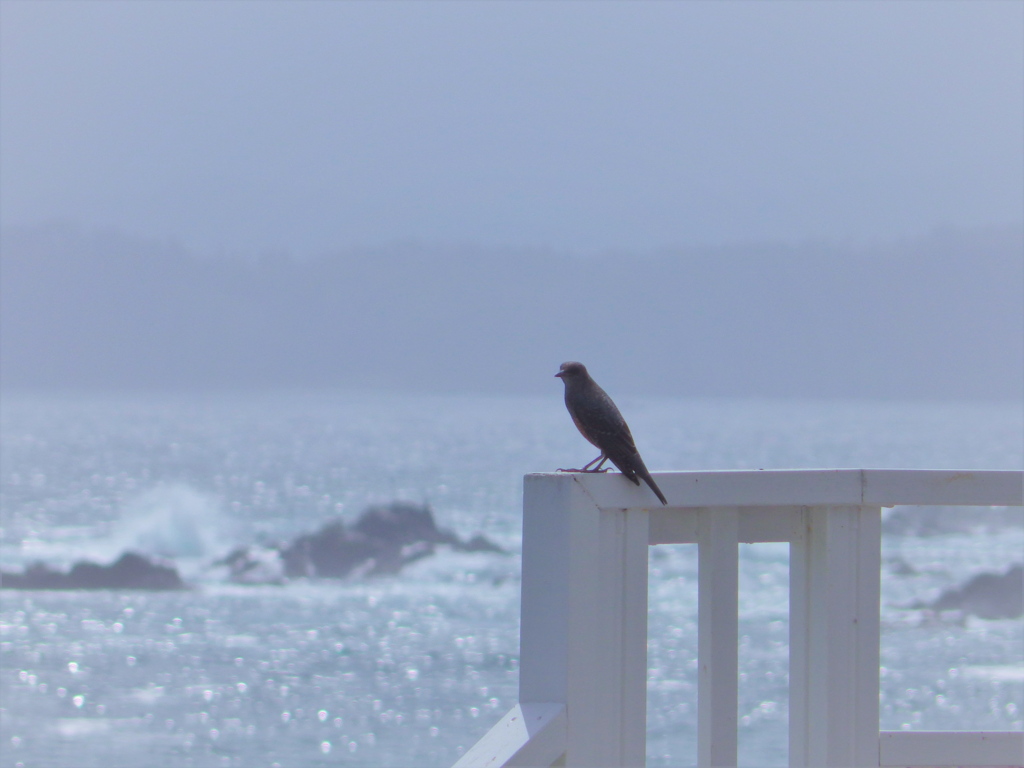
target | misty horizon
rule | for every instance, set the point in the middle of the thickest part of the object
(937, 317)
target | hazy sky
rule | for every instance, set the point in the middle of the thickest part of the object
(577, 126)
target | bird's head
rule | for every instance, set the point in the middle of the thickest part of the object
(571, 370)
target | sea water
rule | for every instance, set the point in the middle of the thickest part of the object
(411, 670)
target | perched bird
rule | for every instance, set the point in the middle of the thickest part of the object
(600, 422)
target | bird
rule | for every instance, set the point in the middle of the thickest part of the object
(600, 422)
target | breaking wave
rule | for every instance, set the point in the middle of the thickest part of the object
(173, 521)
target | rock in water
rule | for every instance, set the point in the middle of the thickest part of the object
(382, 541)
(332, 551)
(402, 523)
(130, 571)
(254, 565)
(987, 596)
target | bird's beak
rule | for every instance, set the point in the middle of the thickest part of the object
(558, 375)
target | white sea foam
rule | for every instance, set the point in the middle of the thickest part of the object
(173, 521)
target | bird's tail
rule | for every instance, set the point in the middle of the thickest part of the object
(635, 470)
(646, 476)
(654, 487)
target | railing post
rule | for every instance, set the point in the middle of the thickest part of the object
(583, 636)
(834, 627)
(717, 629)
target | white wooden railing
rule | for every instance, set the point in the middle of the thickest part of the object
(583, 636)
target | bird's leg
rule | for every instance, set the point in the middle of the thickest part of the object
(587, 467)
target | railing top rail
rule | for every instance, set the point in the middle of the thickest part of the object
(804, 487)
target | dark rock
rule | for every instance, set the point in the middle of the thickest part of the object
(130, 571)
(402, 523)
(900, 567)
(254, 565)
(478, 543)
(332, 551)
(987, 596)
(390, 561)
(382, 541)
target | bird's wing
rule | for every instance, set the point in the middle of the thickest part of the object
(599, 420)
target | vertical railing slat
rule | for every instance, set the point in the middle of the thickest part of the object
(799, 622)
(634, 657)
(834, 625)
(717, 629)
(868, 630)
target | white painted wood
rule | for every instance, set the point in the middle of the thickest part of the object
(996, 488)
(717, 627)
(634, 651)
(584, 618)
(730, 488)
(529, 736)
(674, 526)
(758, 525)
(799, 643)
(755, 524)
(866, 630)
(951, 748)
(834, 632)
(583, 638)
(548, 509)
(811, 487)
